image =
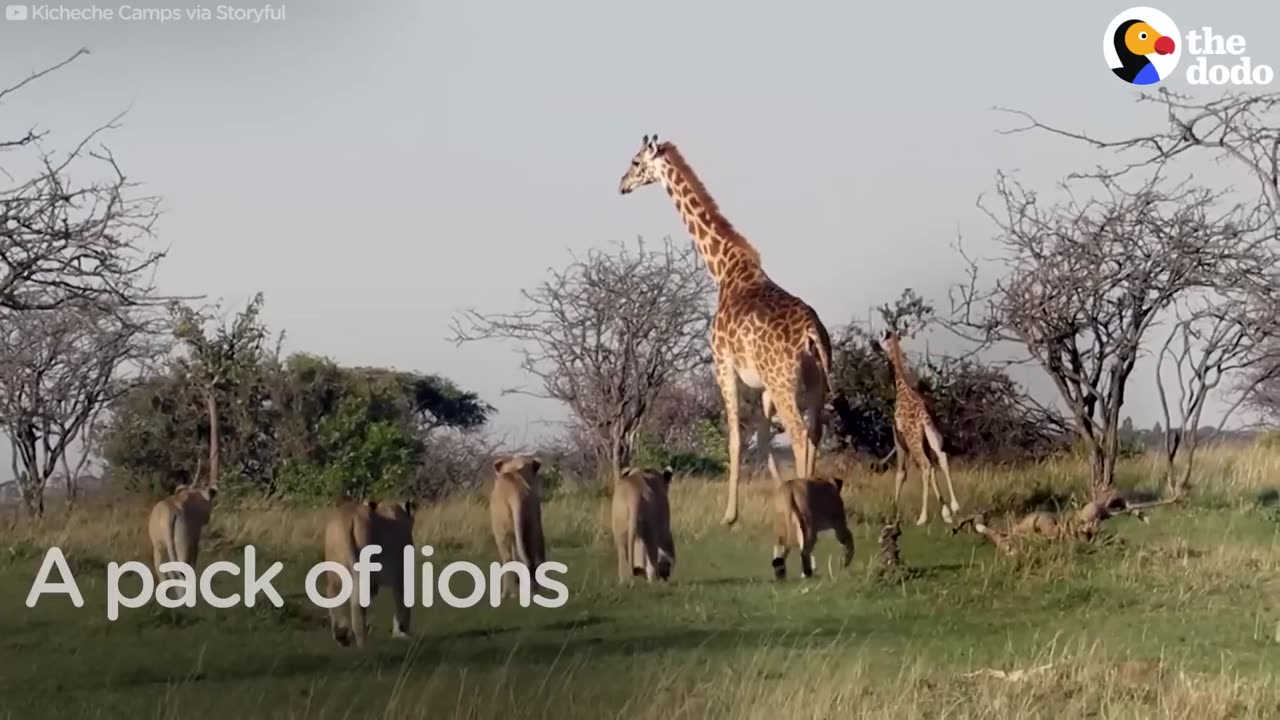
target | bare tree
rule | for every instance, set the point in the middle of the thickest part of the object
(85, 436)
(1085, 279)
(683, 405)
(455, 460)
(1242, 128)
(606, 335)
(1226, 334)
(63, 242)
(1259, 385)
(58, 369)
(73, 253)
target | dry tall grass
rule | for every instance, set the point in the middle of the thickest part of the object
(1225, 477)
(788, 677)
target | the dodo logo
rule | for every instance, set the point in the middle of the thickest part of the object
(1142, 46)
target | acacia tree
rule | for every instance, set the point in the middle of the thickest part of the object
(606, 335)
(1242, 130)
(58, 369)
(1084, 280)
(1230, 333)
(218, 362)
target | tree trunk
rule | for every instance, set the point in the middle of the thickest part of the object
(619, 451)
(1172, 443)
(26, 473)
(70, 484)
(32, 497)
(28, 502)
(1108, 480)
(1101, 471)
(1184, 484)
(620, 457)
(211, 404)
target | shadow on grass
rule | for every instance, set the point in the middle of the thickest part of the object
(930, 572)
(488, 632)
(477, 650)
(1269, 497)
(734, 581)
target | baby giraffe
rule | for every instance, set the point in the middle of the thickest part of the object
(913, 429)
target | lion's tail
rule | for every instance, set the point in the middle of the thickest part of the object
(171, 538)
(522, 543)
(633, 530)
(353, 543)
(797, 521)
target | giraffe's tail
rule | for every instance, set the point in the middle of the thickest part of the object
(820, 345)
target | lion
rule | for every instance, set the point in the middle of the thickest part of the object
(515, 509)
(803, 508)
(175, 525)
(351, 526)
(642, 524)
(1037, 523)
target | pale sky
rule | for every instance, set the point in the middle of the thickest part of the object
(374, 168)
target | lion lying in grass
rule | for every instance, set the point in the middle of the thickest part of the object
(1082, 525)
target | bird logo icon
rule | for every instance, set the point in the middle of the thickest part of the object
(1142, 46)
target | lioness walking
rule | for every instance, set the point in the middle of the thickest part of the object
(804, 507)
(352, 526)
(642, 524)
(515, 510)
(175, 525)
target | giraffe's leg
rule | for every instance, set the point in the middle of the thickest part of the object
(764, 434)
(727, 378)
(924, 495)
(915, 448)
(814, 401)
(932, 482)
(900, 475)
(793, 423)
(935, 442)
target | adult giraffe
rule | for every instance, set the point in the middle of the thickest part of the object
(762, 336)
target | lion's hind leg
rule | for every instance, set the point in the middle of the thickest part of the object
(340, 615)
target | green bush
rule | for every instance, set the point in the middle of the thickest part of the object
(304, 427)
(706, 454)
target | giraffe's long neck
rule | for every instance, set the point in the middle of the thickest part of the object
(729, 256)
(903, 381)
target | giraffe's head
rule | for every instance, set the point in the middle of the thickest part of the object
(888, 340)
(645, 166)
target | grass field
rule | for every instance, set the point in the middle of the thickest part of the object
(1178, 618)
